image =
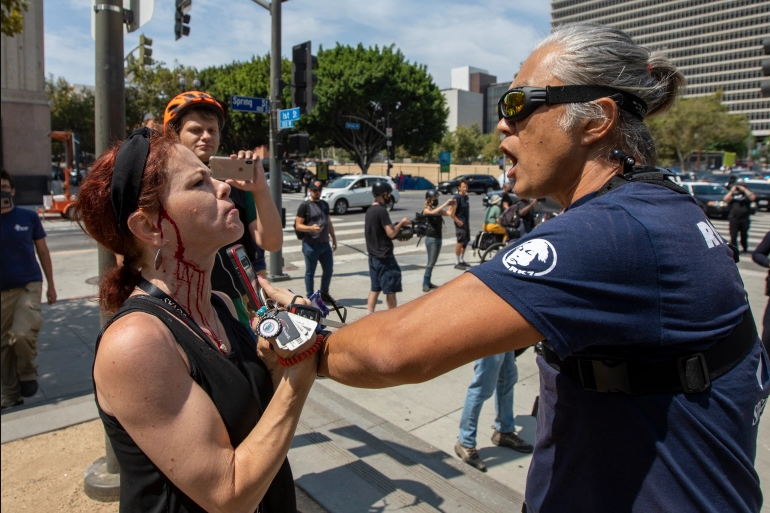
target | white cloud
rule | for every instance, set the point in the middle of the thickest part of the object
(489, 34)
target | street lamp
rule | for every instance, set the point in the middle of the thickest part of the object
(196, 84)
(183, 83)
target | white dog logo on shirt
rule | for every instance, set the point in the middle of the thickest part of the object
(535, 257)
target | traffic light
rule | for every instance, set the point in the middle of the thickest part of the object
(299, 144)
(145, 51)
(303, 80)
(392, 153)
(182, 19)
(766, 68)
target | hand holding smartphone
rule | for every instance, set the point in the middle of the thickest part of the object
(224, 168)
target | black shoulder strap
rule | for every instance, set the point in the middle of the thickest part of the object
(644, 174)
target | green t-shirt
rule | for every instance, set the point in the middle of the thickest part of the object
(493, 212)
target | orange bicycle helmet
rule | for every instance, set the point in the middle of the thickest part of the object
(181, 102)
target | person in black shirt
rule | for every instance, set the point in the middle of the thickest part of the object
(740, 199)
(384, 272)
(461, 214)
(433, 236)
(506, 195)
(313, 220)
(525, 210)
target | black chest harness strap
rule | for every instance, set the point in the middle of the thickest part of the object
(690, 373)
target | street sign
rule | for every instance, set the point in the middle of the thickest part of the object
(389, 132)
(444, 160)
(353, 126)
(287, 117)
(250, 104)
(141, 9)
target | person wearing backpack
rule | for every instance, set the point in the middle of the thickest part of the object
(491, 218)
(314, 227)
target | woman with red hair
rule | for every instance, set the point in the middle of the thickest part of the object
(200, 414)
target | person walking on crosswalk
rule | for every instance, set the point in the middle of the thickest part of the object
(315, 227)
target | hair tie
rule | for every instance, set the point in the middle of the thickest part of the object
(127, 176)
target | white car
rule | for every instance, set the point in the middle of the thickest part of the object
(351, 191)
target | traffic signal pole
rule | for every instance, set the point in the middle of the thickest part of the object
(102, 479)
(275, 267)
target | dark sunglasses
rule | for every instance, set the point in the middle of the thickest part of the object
(518, 103)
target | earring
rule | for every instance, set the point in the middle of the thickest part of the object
(158, 260)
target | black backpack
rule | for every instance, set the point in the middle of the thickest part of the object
(510, 217)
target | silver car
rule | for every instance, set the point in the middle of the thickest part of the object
(352, 191)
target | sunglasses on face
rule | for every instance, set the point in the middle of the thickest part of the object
(519, 102)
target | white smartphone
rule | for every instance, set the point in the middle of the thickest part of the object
(223, 168)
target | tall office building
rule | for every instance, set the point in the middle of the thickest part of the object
(717, 44)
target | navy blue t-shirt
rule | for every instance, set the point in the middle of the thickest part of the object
(638, 273)
(19, 230)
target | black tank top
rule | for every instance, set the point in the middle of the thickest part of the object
(238, 383)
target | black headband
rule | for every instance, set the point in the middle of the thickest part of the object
(586, 93)
(127, 176)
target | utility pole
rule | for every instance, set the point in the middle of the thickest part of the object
(276, 151)
(102, 479)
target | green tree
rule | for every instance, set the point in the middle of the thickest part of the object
(378, 86)
(150, 88)
(12, 16)
(697, 124)
(469, 143)
(71, 111)
(251, 78)
(491, 150)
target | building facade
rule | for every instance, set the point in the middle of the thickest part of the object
(24, 109)
(717, 44)
(467, 98)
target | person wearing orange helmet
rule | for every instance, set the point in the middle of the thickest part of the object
(197, 119)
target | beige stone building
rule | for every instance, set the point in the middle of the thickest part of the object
(26, 115)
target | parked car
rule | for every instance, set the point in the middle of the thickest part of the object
(761, 189)
(351, 191)
(476, 183)
(290, 184)
(710, 197)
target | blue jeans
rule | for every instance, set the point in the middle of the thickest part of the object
(315, 253)
(433, 246)
(494, 374)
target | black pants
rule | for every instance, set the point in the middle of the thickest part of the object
(740, 226)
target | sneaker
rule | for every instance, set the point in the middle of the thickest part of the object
(432, 286)
(510, 440)
(28, 388)
(470, 456)
(17, 403)
(466, 265)
(426, 288)
(460, 266)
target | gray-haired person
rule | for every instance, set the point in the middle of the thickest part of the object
(652, 376)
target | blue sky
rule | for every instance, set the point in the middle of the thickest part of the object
(495, 35)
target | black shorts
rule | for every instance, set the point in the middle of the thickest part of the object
(463, 234)
(385, 275)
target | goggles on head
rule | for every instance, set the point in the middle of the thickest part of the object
(518, 103)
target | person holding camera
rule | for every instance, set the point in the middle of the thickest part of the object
(314, 222)
(384, 272)
(22, 236)
(197, 118)
(652, 376)
(739, 200)
(434, 233)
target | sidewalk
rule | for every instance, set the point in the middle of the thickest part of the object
(392, 449)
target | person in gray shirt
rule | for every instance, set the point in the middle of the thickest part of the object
(314, 225)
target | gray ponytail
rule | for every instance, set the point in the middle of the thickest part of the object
(589, 53)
